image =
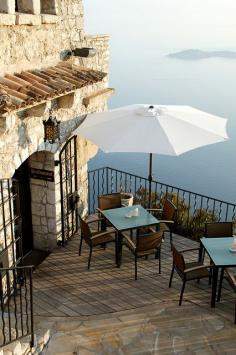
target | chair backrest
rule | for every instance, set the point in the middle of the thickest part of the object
(85, 230)
(178, 261)
(109, 201)
(218, 229)
(169, 210)
(149, 241)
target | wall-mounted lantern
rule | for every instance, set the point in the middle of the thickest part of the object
(51, 129)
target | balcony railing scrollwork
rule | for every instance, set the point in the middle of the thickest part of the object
(16, 304)
(193, 209)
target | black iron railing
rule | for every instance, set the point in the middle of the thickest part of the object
(193, 209)
(16, 304)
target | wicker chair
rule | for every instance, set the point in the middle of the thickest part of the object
(94, 239)
(217, 230)
(187, 271)
(146, 244)
(107, 202)
(231, 278)
(166, 216)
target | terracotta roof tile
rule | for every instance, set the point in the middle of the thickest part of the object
(30, 88)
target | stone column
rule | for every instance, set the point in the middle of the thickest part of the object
(43, 204)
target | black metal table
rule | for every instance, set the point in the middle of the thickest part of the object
(218, 250)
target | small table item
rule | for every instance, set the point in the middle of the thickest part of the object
(218, 250)
(117, 217)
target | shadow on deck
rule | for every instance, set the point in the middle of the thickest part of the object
(64, 287)
(105, 311)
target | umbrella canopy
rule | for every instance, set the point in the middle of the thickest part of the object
(170, 130)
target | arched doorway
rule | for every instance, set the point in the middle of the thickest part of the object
(22, 208)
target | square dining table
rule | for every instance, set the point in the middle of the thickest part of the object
(218, 250)
(119, 220)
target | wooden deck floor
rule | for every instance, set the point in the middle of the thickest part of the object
(64, 287)
(105, 311)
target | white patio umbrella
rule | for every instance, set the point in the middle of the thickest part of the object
(169, 130)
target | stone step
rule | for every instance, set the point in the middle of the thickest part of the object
(22, 347)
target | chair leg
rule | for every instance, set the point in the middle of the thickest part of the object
(210, 273)
(220, 284)
(146, 257)
(159, 254)
(203, 255)
(235, 313)
(181, 294)
(171, 276)
(104, 246)
(136, 267)
(90, 256)
(80, 245)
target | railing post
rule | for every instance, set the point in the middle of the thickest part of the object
(88, 193)
(107, 179)
(31, 307)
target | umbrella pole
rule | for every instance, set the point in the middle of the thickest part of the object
(150, 181)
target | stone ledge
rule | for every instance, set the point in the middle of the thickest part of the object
(98, 96)
(97, 36)
(28, 19)
(7, 20)
(49, 19)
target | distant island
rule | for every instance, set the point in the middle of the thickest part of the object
(197, 54)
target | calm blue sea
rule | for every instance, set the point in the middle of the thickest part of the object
(148, 76)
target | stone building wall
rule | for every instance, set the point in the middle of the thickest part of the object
(35, 40)
(25, 47)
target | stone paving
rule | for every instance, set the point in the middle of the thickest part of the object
(161, 328)
(105, 311)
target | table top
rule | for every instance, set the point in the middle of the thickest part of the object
(218, 250)
(116, 217)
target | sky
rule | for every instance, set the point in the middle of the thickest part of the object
(178, 24)
(142, 33)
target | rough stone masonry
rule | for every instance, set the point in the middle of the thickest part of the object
(37, 34)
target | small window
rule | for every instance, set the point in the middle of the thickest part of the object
(48, 7)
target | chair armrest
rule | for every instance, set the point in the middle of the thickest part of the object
(200, 267)
(166, 221)
(152, 229)
(95, 220)
(185, 250)
(129, 241)
(102, 234)
(155, 209)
